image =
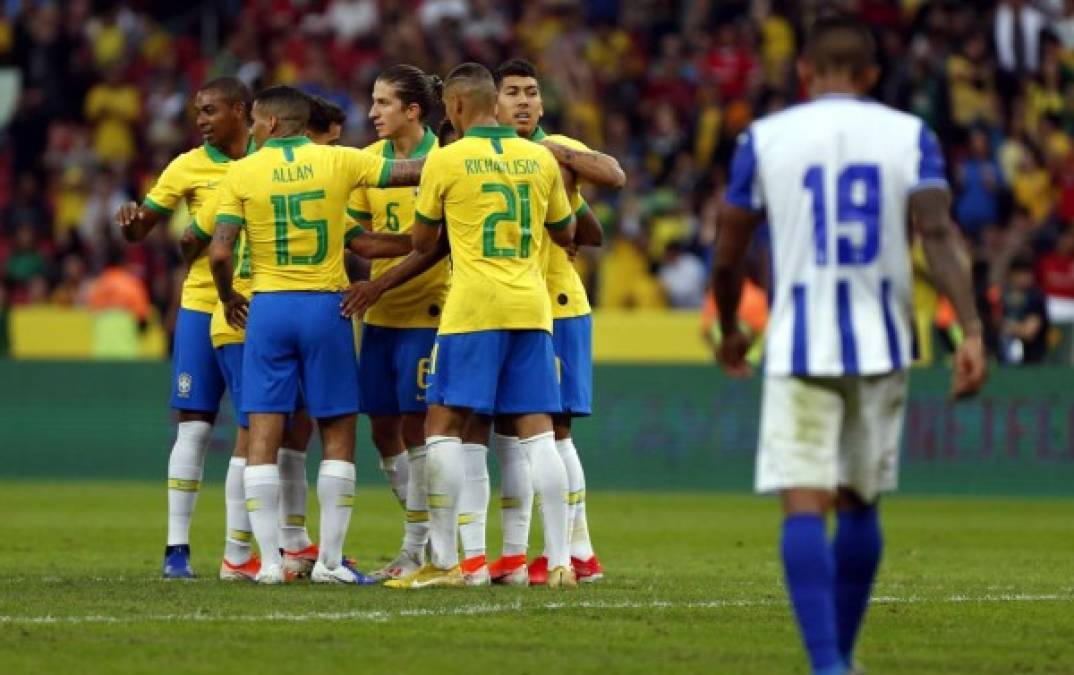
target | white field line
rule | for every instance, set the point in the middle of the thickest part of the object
(505, 608)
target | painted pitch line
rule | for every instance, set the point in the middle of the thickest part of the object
(487, 609)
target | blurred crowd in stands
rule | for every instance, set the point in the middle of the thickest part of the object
(94, 101)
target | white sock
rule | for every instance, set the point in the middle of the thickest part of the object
(550, 477)
(474, 502)
(293, 501)
(516, 494)
(416, 532)
(262, 485)
(185, 467)
(445, 477)
(581, 547)
(335, 491)
(239, 534)
(397, 470)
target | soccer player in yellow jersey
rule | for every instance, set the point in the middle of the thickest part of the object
(519, 105)
(501, 200)
(399, 329)
(289, 200)
(223, 108)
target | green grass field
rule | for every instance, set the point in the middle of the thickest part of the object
(693, 585)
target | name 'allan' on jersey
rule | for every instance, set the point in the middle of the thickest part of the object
(835, 176)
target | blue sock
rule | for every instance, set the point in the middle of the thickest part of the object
(857, 548)
(810, 576)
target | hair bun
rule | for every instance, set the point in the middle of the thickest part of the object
(436, 84)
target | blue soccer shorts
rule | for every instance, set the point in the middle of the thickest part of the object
(512, 372)
(297, 340)
(393, 369)
(229, 357)
(197, 383)
(572, 340)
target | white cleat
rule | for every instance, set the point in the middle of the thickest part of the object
(479, 577)
(340, 575)
(403, 565)
(274, 574)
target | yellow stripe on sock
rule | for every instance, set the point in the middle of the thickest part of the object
(183, 485)
(295, 520)
(537, 500)
(345, 500)
(439, 502)
(511, 503)
(576, 497)
(253, 504)
(467, 518)
(239, 535)
(417, 516)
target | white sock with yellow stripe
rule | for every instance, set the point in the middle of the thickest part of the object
(185, 466)
(293, 497)
(416, 532)
(581, 547)
(397, 470)
(445, 476)
(239, 533)
(262, 486)
(516, 494)
(474, 501)
(335, 491)
(550, 479)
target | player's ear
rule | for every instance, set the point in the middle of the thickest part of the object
(870, 78)
(805, 72)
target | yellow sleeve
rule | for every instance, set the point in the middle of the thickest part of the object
(365, 169)
(230, 207)
(168, 190)
(559, 207)
(204, 222)
(358, 208)
(429, 206)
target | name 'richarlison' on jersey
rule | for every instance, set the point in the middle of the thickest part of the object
(516, 167)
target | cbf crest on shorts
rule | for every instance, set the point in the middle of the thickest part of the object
(183, 384)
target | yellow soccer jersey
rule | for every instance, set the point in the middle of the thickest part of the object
(496, 192)
(565, 288)
(290, 198)
(192, 176)
(204, 226)
(419, 302)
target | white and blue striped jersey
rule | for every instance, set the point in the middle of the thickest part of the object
(835, 176)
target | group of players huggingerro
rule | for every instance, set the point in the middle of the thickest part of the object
(498, 343)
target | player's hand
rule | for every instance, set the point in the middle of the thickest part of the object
(971, 368)
(236, 309)
(731, 354)
(359, 297)
(128, 215)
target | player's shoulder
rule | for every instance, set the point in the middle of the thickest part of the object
(803, 120)
(567, 141)
(199, 155)
(377, 147)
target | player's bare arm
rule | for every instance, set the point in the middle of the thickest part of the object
(136, 221)
(588, 230)
(222, 266)
(728, 273)
(191, 245)
(930, 214)
(362, 295)
(370, 245)
(564, 236)
(595, 167)
(405, 172)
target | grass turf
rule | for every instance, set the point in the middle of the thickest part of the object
(967, 586)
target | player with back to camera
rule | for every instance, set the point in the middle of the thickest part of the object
(289, 200)
(839, 177)
(223, 109)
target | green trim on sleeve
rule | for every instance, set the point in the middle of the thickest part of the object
(352, 233)
(560, 224)
(426, 220)
(583, 209)
(229, 219)
(198, 232)
(359, 215)
(153, 206)
(385, 173)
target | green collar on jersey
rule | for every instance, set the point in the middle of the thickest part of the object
(287, 142)
(491, 132)
(538, 134)
(423, 148)
(220, 158)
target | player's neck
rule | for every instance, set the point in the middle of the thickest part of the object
(481, 120)
(236, 147)
(835, 85)
(407, 142)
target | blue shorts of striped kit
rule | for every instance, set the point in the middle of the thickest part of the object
(197, 383)
(393, 369)
(229, 357)
(297, 340)
(572, 339)
(510, 371)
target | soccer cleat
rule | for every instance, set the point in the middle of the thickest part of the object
(562, 577)
(177, 562)
(539, 571)
(403, 565)
(247, 571)
(587, 571)
(430, 577)
(475, 572)
(274, 574)
(344, 573)
(301, 562)
(510, 571)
